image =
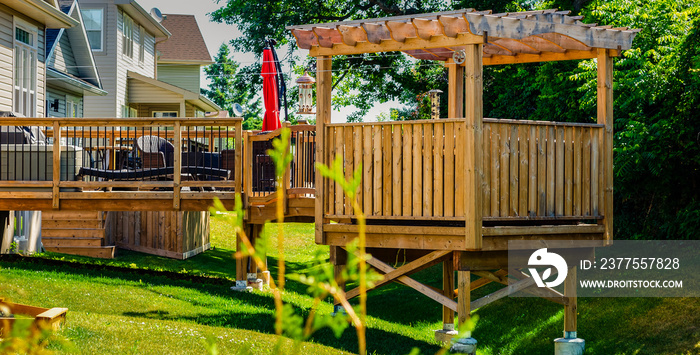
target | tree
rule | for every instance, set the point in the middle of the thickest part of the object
(229, 85)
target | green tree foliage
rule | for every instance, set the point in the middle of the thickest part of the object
(230, 85)
(656, 83)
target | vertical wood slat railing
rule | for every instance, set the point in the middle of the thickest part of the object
(415, 169)
(544, 170)
(408, 168)
(103, 133)
(300, 175)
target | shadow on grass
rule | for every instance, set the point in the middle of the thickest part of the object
(380, 341)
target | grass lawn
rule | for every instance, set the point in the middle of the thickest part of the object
(142, 304)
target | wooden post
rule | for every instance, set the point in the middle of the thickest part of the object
(56, 163)
(286, 185)
(177, 164)
(571, 308)
(338, 257)
(474, 117)
(241, 269)
(324, 84)
(238, 173)
(455, 91)
(448, 286)
(463, 296)
(248, 165)
(605, 116)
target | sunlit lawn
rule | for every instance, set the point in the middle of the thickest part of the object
(119, 307)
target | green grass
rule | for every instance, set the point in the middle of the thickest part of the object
(144, 304)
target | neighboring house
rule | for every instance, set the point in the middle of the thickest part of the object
(71, 71)
(23, 79)
(123, 37)
(181, 57)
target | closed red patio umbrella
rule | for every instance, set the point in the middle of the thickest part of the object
(271, 119)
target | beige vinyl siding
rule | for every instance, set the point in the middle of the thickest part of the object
(63, 58)
(106, 61)
(140, 92)
(5, 61)
(41, 74)
(184, 76)
(126, 63)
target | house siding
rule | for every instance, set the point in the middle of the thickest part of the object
(106, 61)
(5, 61)
(126, 63)
(183, 76)
(53, 94)
(63, 58)
(57, 93)
(138, 89)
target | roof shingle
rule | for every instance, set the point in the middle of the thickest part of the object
(186, 43)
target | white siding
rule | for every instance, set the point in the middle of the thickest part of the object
(184, 76)
(5, 61)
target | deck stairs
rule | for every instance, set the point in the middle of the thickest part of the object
(75, 233)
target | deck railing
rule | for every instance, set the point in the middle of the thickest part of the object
(415, 170)
(259, 180)
(154, 158)
(542, 170)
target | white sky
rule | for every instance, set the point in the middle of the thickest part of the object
(217, 33)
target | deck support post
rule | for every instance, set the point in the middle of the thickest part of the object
(474, 117)
(338, 257)
(570, 344)
(467, 344)
(448, 331)
(324, 85)
(605, 116)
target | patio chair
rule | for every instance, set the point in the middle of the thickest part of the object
(156, 152)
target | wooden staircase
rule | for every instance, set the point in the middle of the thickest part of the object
(76, 233)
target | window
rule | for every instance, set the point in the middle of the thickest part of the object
(93, 20)
(25, 76)
(169, 114)
(128, 37)
(72, 106)
(129, 111)
(142, 47)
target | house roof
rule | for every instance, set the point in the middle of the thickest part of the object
(134, 9)
(186, 44)
(157, 86)
(42, 11)
(80, 47)
(516, 37)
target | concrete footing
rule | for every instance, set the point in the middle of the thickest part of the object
(338, 309)
(569, 346)
(445, 336)
(464, 346)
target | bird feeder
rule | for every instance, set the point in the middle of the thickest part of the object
(306, 94)
(435, 103)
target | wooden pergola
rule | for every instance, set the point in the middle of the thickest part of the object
(495, 179)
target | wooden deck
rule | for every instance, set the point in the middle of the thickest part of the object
(38, 178)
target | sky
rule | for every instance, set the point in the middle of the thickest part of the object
(217, 33)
